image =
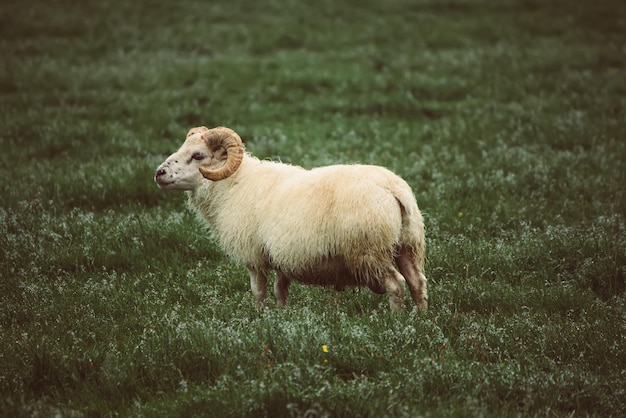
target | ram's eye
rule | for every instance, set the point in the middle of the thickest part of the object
(198, 156)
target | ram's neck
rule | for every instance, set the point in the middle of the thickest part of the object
(206, 199)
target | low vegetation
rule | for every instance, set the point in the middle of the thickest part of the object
(505, 117)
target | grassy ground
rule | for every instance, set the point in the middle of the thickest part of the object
(506, 118)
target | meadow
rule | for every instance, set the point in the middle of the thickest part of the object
(507, 118)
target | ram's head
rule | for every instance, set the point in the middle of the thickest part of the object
(212, 154)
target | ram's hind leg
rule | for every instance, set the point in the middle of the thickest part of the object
(415, 278)
(281, 288)
(394, 286)
(258, 284)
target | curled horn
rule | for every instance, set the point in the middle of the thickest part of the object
(221, 137)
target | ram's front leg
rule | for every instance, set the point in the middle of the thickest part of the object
(258, 284)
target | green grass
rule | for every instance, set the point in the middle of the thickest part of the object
(505, 117)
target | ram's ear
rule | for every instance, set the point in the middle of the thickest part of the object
(196, 130)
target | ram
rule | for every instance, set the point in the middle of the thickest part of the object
(340, 225)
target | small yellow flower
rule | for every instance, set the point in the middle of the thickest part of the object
(325, 348)
(460, 214)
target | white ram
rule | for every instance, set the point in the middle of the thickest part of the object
(341, 225)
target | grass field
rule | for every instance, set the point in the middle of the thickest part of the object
(507, 118)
